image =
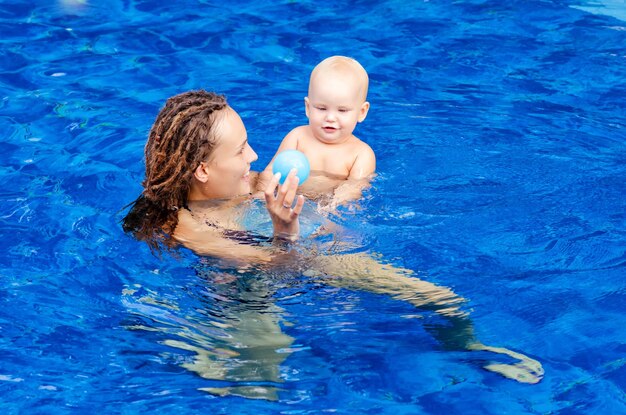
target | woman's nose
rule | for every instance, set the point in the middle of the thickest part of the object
(252, 156)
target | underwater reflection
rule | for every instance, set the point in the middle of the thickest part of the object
(236, 336)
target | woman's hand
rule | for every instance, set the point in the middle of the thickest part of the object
(279, 204)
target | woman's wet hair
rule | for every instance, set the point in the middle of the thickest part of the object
(181, 138)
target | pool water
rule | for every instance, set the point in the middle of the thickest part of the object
(499, 129)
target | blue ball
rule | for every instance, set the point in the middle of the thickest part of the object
(290, 159)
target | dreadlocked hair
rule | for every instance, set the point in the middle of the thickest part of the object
(180, 139)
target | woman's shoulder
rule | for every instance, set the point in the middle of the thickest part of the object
(198, 234)
(201, 235)
(190, 228)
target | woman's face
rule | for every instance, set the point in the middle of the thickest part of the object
(228, 167)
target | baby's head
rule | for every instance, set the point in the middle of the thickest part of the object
(341, 68)
(337, 98)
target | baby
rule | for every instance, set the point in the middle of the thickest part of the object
(336, 102)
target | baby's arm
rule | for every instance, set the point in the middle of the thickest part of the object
(364, 165)
(290, 142)
(358, 179)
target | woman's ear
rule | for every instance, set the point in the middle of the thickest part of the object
(363, 111)
(202, 172)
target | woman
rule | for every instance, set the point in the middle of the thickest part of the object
(198, 175)
(198, 152)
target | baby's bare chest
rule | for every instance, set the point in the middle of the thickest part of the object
(336, 159)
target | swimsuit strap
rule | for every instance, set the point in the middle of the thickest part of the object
(244, 237)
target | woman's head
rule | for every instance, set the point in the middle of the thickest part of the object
(187, 153)
(182, 137)
(226, 172)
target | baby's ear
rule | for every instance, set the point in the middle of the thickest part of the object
(306, 106)
(365, 107)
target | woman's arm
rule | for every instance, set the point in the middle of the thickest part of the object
(212, 241)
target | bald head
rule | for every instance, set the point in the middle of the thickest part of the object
(341, 67)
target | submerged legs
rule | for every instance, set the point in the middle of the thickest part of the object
(364, 272)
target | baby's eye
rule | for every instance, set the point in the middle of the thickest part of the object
(343, 110)
(321, 108)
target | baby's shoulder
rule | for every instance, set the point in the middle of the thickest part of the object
(296, 137)
(360, 145)
(299, 131)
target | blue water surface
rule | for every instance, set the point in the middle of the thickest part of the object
(499, 129)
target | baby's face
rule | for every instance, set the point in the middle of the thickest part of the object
(335, 105)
